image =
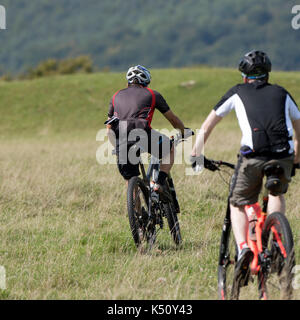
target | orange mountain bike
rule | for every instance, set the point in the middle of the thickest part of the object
(271, 240)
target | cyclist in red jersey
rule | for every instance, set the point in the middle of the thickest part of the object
(133, 107)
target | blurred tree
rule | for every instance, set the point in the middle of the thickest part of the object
(158, 33)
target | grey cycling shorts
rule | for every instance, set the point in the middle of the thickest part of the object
(248, 178)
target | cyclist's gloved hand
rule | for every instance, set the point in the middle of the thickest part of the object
(197, 162)
(187, 133)
(295, 166)
(201, 161)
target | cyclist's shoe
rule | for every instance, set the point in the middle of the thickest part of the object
(157, 187)
(162, 191)
(242, 267)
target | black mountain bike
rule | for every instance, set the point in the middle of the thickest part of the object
(273, 249)
(147, 208)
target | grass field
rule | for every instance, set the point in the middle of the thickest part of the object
(64, 233)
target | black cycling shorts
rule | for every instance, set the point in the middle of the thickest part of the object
(157, 144)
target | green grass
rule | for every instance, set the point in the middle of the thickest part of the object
(64, 233)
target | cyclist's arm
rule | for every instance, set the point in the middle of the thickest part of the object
(174, 120)
(294, 114)
(222, 108)
(211, 121)
(296, 126)
(111, 135)
(163, 107)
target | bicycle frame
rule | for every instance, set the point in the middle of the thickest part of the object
(153, 170)
(259, 265)
(152, 174)
(255, 246)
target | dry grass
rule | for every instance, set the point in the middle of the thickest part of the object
(64, 232)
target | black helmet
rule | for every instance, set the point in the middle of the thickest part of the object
(255, 64)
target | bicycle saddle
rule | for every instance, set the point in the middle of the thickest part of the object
(273, 172)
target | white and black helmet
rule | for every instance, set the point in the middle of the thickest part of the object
(138, 74)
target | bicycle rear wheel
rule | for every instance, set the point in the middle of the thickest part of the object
(277, 241)
(142, 229)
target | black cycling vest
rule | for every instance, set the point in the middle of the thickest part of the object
(260, 107)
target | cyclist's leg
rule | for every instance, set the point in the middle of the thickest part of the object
(276, 204)
(239, 221)
(245, 191)
(126, 168)
(128, 171)
(168, 161)
(160, 146)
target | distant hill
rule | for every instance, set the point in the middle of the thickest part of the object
(156, 33)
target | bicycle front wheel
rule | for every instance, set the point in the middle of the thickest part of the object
(277, 240)
(227, 288)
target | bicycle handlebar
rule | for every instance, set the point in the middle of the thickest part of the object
(219, 163)
(213, 165)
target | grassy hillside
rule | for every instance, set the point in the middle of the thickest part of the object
(64, 233)
(69, 104)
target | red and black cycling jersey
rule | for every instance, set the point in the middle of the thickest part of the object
(137, 102)
(265, 113)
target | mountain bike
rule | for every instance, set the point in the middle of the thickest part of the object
(147, 208)
(271, 240)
